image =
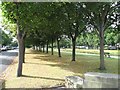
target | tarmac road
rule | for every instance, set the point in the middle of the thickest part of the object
(6, 58)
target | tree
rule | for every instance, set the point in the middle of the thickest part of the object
(20, 14)
(54, 16)
(101, 17)
(6, 39)
(75, 22)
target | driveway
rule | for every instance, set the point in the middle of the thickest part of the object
(6, 58)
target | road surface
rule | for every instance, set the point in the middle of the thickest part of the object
(6, 58)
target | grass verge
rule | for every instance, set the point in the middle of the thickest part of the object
(93, 51)
(45, 70)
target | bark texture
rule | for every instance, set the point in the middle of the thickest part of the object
(52, 47)
(73, 48)
(58, 45)
(23, 51)
(102, 63)
(47, 47)
(20, 55)
(43, 49)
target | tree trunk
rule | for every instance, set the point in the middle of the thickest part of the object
(59, 53)
(20, 37)
(23, 51)
(39, 48)
(47, 47)
(73, 48)
(20, 55)
(33, 47)
(52, 48)
(43, 49)
(102, 64)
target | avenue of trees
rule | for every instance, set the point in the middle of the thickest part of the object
(42, 24)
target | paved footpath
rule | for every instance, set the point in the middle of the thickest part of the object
(6, 58)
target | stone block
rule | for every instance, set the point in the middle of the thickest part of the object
(101, 80)
(73, 82)
(91, 84)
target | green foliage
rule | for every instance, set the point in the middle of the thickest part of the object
(14, 44)
(74, 22)
(89, 39)
(6, 40)
(65, 43)
(111, 36)
(102, 14)
(55, 19)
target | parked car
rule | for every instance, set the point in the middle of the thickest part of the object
(81, 47)
(3, 49)
(112, 48)
(14, 47)
(8, 47)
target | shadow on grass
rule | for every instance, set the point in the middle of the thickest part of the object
(42, 57)
(32, 63)
(82, 64)
(43, 78)
(35, 52)
(79, 67)
(41, 54)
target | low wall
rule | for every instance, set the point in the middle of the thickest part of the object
(101, 80)
(94, 80)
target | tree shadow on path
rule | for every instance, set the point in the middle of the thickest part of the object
(43, 77)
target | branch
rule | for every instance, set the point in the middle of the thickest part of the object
(24, 33)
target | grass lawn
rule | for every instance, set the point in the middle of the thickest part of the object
(94, 51)
(45, 70)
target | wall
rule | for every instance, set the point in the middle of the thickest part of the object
(94, 80)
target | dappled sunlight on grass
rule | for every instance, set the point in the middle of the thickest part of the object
(46, 70)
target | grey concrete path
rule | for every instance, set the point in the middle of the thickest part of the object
(6, 58)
